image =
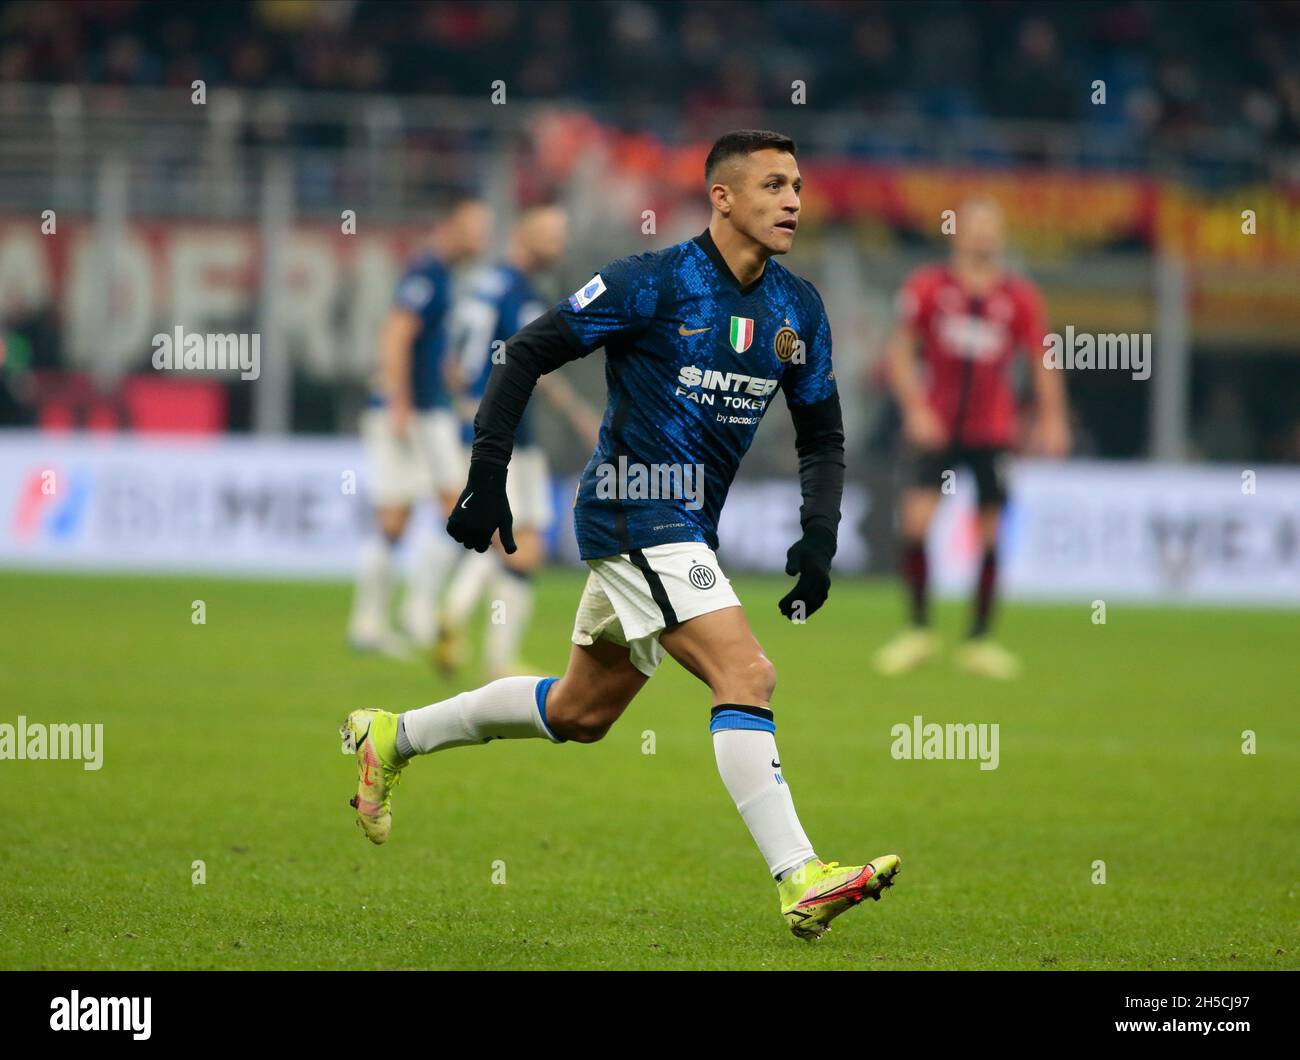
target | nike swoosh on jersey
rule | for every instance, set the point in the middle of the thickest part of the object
(683, 330)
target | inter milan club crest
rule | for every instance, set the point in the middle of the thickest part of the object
(786, 342)
(742, 333)
(701, 576)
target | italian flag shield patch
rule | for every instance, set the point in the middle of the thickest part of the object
(742, 333)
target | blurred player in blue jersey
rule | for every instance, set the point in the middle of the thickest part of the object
(411, 434)
(498, 301)
(698, 338)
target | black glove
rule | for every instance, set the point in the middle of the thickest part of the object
(810, 559)
(482, 509)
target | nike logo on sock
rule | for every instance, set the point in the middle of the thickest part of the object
(776, 764)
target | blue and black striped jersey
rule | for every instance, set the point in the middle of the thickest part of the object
(425, 290)
(498, 301)
(693, 360)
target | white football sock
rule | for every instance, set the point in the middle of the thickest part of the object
(432, 560)
(467, 585)
(503, 710)
(374, 589)
(746, 760)
(510, 608)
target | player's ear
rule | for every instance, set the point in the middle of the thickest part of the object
(720, 198)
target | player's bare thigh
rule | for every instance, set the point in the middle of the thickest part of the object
(392, 520)
(989, 520)
(916, 511)
(447, 500)
(721, 650)
(596, 688)
(527, 556)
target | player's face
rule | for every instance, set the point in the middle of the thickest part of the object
(979, 233)
(546, 234)
(765, 199)
(471, 229)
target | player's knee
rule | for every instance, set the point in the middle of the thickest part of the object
(392, 522)
(528, 554)
(588, 727)
(579, 722)
(752, 679)
(764, 676)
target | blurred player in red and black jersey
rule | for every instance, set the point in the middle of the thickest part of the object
(950, 368)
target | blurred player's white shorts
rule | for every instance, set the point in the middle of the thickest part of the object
(528, 489)
(429, 461)
(631, 598)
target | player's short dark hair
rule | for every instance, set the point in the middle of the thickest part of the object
(744, 142)
(540, 202)
(456, 197)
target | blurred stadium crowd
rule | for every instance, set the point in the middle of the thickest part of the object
(380, 107)
(935, 60)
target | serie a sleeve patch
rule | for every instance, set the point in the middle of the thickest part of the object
(583, 297)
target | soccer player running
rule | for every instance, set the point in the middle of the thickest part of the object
(698, 337)
(498, 301)
(967, 320)
(411, 435)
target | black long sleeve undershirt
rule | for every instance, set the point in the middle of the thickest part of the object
(819, 441)
(547, 343)
(540, 347)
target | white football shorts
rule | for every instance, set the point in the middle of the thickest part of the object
(528, 489)
(428, 462)
(633, 597)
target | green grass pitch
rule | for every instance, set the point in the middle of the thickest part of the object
(1121, 744)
